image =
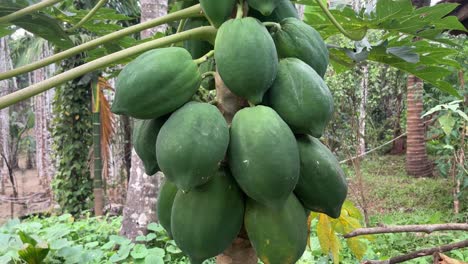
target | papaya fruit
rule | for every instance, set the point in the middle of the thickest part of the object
(263, 155)
(246, 58)
(278, 236)
(144, 137)
(217, 11)
(265, 7)
(196, 48)
(208, 83)
(164, 205)
(301, 97)
(156, 83)
(322, 184)
(191, 143)
(207, 219)
(299, 40)
(284, 10)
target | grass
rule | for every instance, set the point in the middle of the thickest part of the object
(388, 189)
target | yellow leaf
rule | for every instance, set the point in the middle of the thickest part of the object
(323, 233)
(329, 242)
(352, 210)
(357, 246)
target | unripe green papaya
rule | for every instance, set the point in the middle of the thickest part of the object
(265, 7)
(208, 83)
(156, 83)
(284, 10)
(322, 185)
(144, 137)
(246, 58)
(164, 205)
(191, 144)
(299, 40)
(206, 220)
(263, 155)
(217, 11)
(301, 97)
(196, 48)
(279, 236)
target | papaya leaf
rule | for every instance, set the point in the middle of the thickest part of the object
(329, 242)
(352, 210)
(447, 123)
(39, 24)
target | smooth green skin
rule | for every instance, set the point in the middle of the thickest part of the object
(322, 185)
(301, 97)
(144, 137)
(299, 40)
(263, 155)
(217, 11)
(206, 220)
(191, 143)
(265, 7)
(278, 236)
(196, 48)
(246, 58)
(208, 83)
(156, 83)
(284, 10)
(164, 205)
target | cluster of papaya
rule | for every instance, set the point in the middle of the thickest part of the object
(267, 169)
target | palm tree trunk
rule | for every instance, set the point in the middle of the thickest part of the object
(140, 207)
(417, 162)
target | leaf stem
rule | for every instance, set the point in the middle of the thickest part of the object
(180, 28)
(188, 12)
(204, 57)
(337, 24)
(88, 16)
(277, 26)
(32, 90)
(207, 74)
(27, 10)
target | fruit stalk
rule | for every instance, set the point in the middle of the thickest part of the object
(32, 90)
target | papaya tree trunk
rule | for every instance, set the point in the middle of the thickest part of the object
(241, 250)
(140, 207)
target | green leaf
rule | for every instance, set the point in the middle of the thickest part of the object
(120, 240)
(154, 259)
(139, 252)
(447, 122)
(155, 227)
(328, 240)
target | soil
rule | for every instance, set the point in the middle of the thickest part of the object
(35, 197)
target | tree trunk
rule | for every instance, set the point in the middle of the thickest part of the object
(417, 162)
(140, 207)
(241, 251)
(4, 115)
(43, 116)
(362, 109)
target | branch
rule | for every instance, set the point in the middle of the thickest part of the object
(27, 10)
(88, 16)
(188, 12)
(407, 228)
(32, 90)
(420, 253)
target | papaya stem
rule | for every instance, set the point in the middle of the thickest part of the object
(330, 16)
(32, 90)
(275, 25)
(88, 16)
(240, 10)
(204, 57)
(207, 74)
(180, 28)
(251, 104)
(185, 13)
(27, 10)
